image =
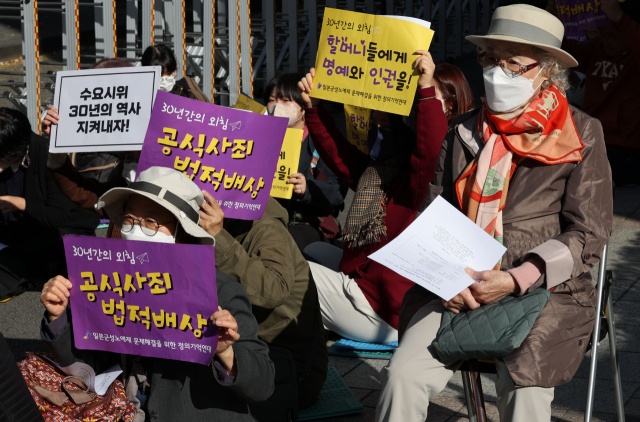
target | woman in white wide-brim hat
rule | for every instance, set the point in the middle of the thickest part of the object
(533, 173)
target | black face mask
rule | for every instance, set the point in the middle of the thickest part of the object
(383, 144)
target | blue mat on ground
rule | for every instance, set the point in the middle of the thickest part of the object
(365, 354)
(335, 399)
(356, 345)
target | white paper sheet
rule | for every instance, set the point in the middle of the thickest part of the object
(97, 383)
(421, 22)
(435, 249)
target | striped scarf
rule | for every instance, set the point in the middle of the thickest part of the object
(365, 221)
(543, 130)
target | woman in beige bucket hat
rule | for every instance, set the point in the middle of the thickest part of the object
(527, 142)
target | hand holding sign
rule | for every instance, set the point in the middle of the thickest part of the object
(55, 296)
(51, 118)
(227, 336)
(211, 215)
(299, 184)
(305, 86)
(425, 65)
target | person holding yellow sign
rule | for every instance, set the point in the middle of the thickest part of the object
(318, 194)
(359, 298)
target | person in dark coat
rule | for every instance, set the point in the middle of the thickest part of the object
(161, 55)
(318, 194)
(34, 213)
(240, 372)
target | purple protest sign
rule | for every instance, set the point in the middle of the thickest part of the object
(580, 15)
(143, 298)
(230, 153)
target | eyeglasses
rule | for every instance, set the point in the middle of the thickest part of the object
(510, 67)
(149, 226)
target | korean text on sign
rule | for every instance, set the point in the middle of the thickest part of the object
(367, 60)
(127, 297)
(580, 15)
(229, 153)
(287, 164)
(103, 109)
(244, 102)
(358, 125)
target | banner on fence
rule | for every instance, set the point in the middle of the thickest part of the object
(367, 60)
(127, 297)
(103, 109)
(230, 153)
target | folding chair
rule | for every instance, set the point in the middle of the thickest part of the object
(471, 369)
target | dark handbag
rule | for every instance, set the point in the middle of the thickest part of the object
(490, 331)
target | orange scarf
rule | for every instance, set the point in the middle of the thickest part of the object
(543, 130)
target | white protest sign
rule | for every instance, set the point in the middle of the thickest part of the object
(103, 109)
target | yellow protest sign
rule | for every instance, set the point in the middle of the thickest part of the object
(367, 60)
(246, 103)
(358, 126)
(287, 164)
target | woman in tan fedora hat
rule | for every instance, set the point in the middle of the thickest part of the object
(533, 173)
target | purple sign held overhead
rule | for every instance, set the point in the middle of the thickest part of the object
(580, 15)
(230, 153)
(143, 298)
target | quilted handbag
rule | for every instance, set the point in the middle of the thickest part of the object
(62, 398)
(490, 331)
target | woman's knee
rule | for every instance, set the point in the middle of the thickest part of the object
(324, 254)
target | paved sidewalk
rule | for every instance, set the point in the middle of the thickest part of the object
(20, 322)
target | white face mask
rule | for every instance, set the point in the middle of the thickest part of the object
(505, 93)
(280, 110)
(167, 83)
(137, 234)
(129, 172)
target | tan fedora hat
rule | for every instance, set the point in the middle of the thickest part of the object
(526, 24)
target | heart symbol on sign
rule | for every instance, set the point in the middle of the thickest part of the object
(319, 85)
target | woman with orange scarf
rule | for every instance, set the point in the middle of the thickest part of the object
(533, 173)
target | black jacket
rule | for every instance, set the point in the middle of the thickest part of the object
(46, 206)
(185, 391)
(325, 192)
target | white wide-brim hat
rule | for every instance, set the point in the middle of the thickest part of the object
(524, 24)
(168, 188)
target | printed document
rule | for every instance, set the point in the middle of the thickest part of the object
(435, 249)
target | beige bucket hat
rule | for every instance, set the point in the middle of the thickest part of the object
(167, 187)
(526, 24)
